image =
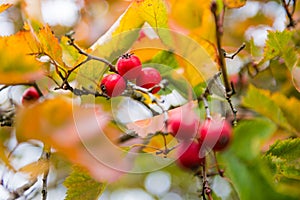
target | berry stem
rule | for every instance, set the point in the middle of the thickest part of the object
(220, 171)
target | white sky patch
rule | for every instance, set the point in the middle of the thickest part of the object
(60, 12)
(259, 34)
(6, 26)
(158, 183)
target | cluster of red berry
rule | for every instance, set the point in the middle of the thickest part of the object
(196, 138)
(129, 67)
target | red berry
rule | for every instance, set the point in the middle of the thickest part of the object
(29, 96)
(149, 78)
(183, 125)
(129, 66)
(189, 155)
(215, 134)
(113, 85)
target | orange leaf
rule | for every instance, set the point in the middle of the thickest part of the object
(5, 6)
(17, 65)
(49, 45)
(234, 3)
(83, 135)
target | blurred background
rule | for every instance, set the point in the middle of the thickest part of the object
(90, 19)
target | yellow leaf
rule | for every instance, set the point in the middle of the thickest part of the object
(4, 157)
(35, 169)
(194, 16)
(157, 143)
(5, 6)
(234, 3)
(49, 45)
(17, 63)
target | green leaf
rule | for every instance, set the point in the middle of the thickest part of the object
(244, 165)
(70, 55)
(165, 58)
(288, 107)
(284, 156)
(280, 44)
(81, 186)
(252, 134)
(261, 102)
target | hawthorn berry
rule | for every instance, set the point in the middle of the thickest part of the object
(113, 85)
(148, 78)
(129, 66)
(189, 156)
(29, 96)
(215, 134)
(183, 125)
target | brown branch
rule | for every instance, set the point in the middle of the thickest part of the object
(45, 155)
(289, 14)
(91, 57)
(219, 32)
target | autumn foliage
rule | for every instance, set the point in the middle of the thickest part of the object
(178, 86)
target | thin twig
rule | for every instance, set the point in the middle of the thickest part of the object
(37, 89)
(220, 171)
(235, 53)
(45, 155)
(21, 190)
(289, 14)
(206, 191)
(91, 57)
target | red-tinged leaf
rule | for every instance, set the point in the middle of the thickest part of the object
(5, 6)
(83, 135)
(18, 65)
